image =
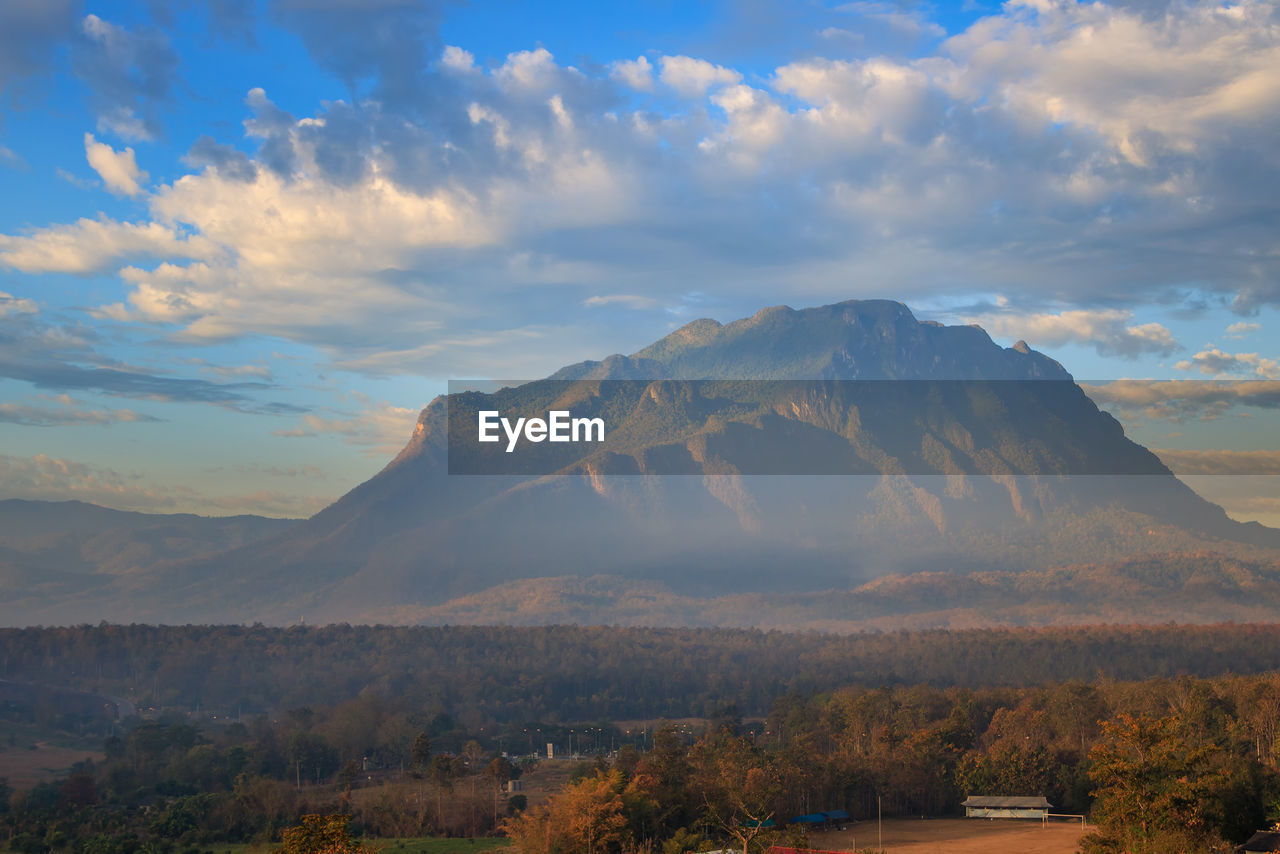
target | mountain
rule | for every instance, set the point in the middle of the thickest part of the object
(958, 459)
(55, 551)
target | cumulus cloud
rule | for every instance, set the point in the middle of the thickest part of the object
(1182, 400)
(96, 245)
(691, 76)
(230, 162)
(634, 73)
(1109, 331)
(456, 59)
(382, 45)
(1220, 462)
(129, 72)
(1151, 85)
(1038, 152)
(118, 169)
(1216, 362)
(1242, 329)
(45, 478)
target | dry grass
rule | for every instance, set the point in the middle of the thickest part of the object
(956, 836)
(547, 778)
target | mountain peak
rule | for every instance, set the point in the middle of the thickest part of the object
(854, 339)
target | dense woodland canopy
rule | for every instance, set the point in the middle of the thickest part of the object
(501, 676)
(1157, 732)
(1182, 764)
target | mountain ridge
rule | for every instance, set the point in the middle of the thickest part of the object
(414, 538)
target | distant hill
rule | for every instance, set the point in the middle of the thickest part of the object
(960, 495)
(1182, 587)
(54, 551)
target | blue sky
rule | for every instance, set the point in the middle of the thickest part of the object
(244, 242)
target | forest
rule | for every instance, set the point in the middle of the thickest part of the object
(1166, 736)
(1182, 764)
(491, 676)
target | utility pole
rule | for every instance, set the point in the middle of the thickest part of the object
(879, 824)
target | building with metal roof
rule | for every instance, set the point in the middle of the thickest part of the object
(1263, 840)
(1006, 806)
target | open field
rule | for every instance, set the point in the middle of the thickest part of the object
(23, 767)
(547, 778)
(956, 836)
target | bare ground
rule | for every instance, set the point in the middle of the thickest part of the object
(956, 836)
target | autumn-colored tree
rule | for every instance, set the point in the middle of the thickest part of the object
(585, 818)
(321, 834)
(1154, 787)
(741, 787)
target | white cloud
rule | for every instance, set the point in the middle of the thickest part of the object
(635, 301)
(528, 70)
(692, 77)
(1148, 84)
(1181, 400)
(91, 246)
(1215, 362)
(1030, 153)
(634, 73)
(303, 222)
(117, 169)
(65, 412)
(46, 478)
(458, 60)
(1245, 496)
(9, 304)
(1220, 462)
(1242, 329)
(379, 427)
(127, 72)
(1107, 330)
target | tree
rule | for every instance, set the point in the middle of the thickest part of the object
(740, 787)
(586, 817)
(1154, 787)
(420, 753)
(321, 834)
(348, 773)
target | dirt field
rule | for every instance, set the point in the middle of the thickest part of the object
(956, 836)
(23, 768)
(546, 778)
